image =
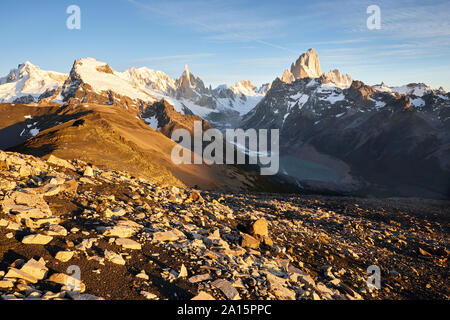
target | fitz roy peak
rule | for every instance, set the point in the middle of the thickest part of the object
(341, 135)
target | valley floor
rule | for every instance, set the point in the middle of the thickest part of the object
(132, 239)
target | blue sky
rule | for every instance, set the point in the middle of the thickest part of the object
(226, 41)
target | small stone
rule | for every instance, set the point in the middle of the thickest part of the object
(424, 253)
(88, 172)
(6, 284)
(203, 296)
(149, 295)
(56, 230)
(195, 196)
(64, 256)
(116, 212)
(183, 272)
(142, 275)
(249, 242)
(49, 190)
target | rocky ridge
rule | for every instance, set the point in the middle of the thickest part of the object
(133, 239)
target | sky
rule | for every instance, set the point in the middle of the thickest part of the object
(230, 40)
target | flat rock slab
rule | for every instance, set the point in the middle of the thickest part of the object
(199, 278)
(128, 244)
(227, 288)
(171, 235)
(37, 239)
(37, 269)
(114, 257)
(120, 231)
(15, 273)
(249, 242)
(26, 199)
(25, 211)
(60, 162)
(277, 286)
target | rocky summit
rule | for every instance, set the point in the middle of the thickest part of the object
(71, 230)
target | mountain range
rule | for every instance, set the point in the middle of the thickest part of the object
(337, 134)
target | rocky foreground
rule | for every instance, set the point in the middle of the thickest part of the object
(131, 239)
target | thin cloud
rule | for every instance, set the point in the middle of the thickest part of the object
(211, 20)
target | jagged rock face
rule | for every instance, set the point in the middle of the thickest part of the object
(307, 66)
(382, 138)
(163, 117)
(342, 81)
(193, 88)
(287, 77)
(154, 80)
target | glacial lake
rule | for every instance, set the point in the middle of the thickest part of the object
(307, 170)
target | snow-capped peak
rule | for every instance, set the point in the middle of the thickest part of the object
(149, 79)
(29, 81)
(415, 89)
(101, 77)
(245, 87)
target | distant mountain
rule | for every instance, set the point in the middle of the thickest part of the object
(92, 81)
(337, 134)
(342, 135)
(28, 83)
